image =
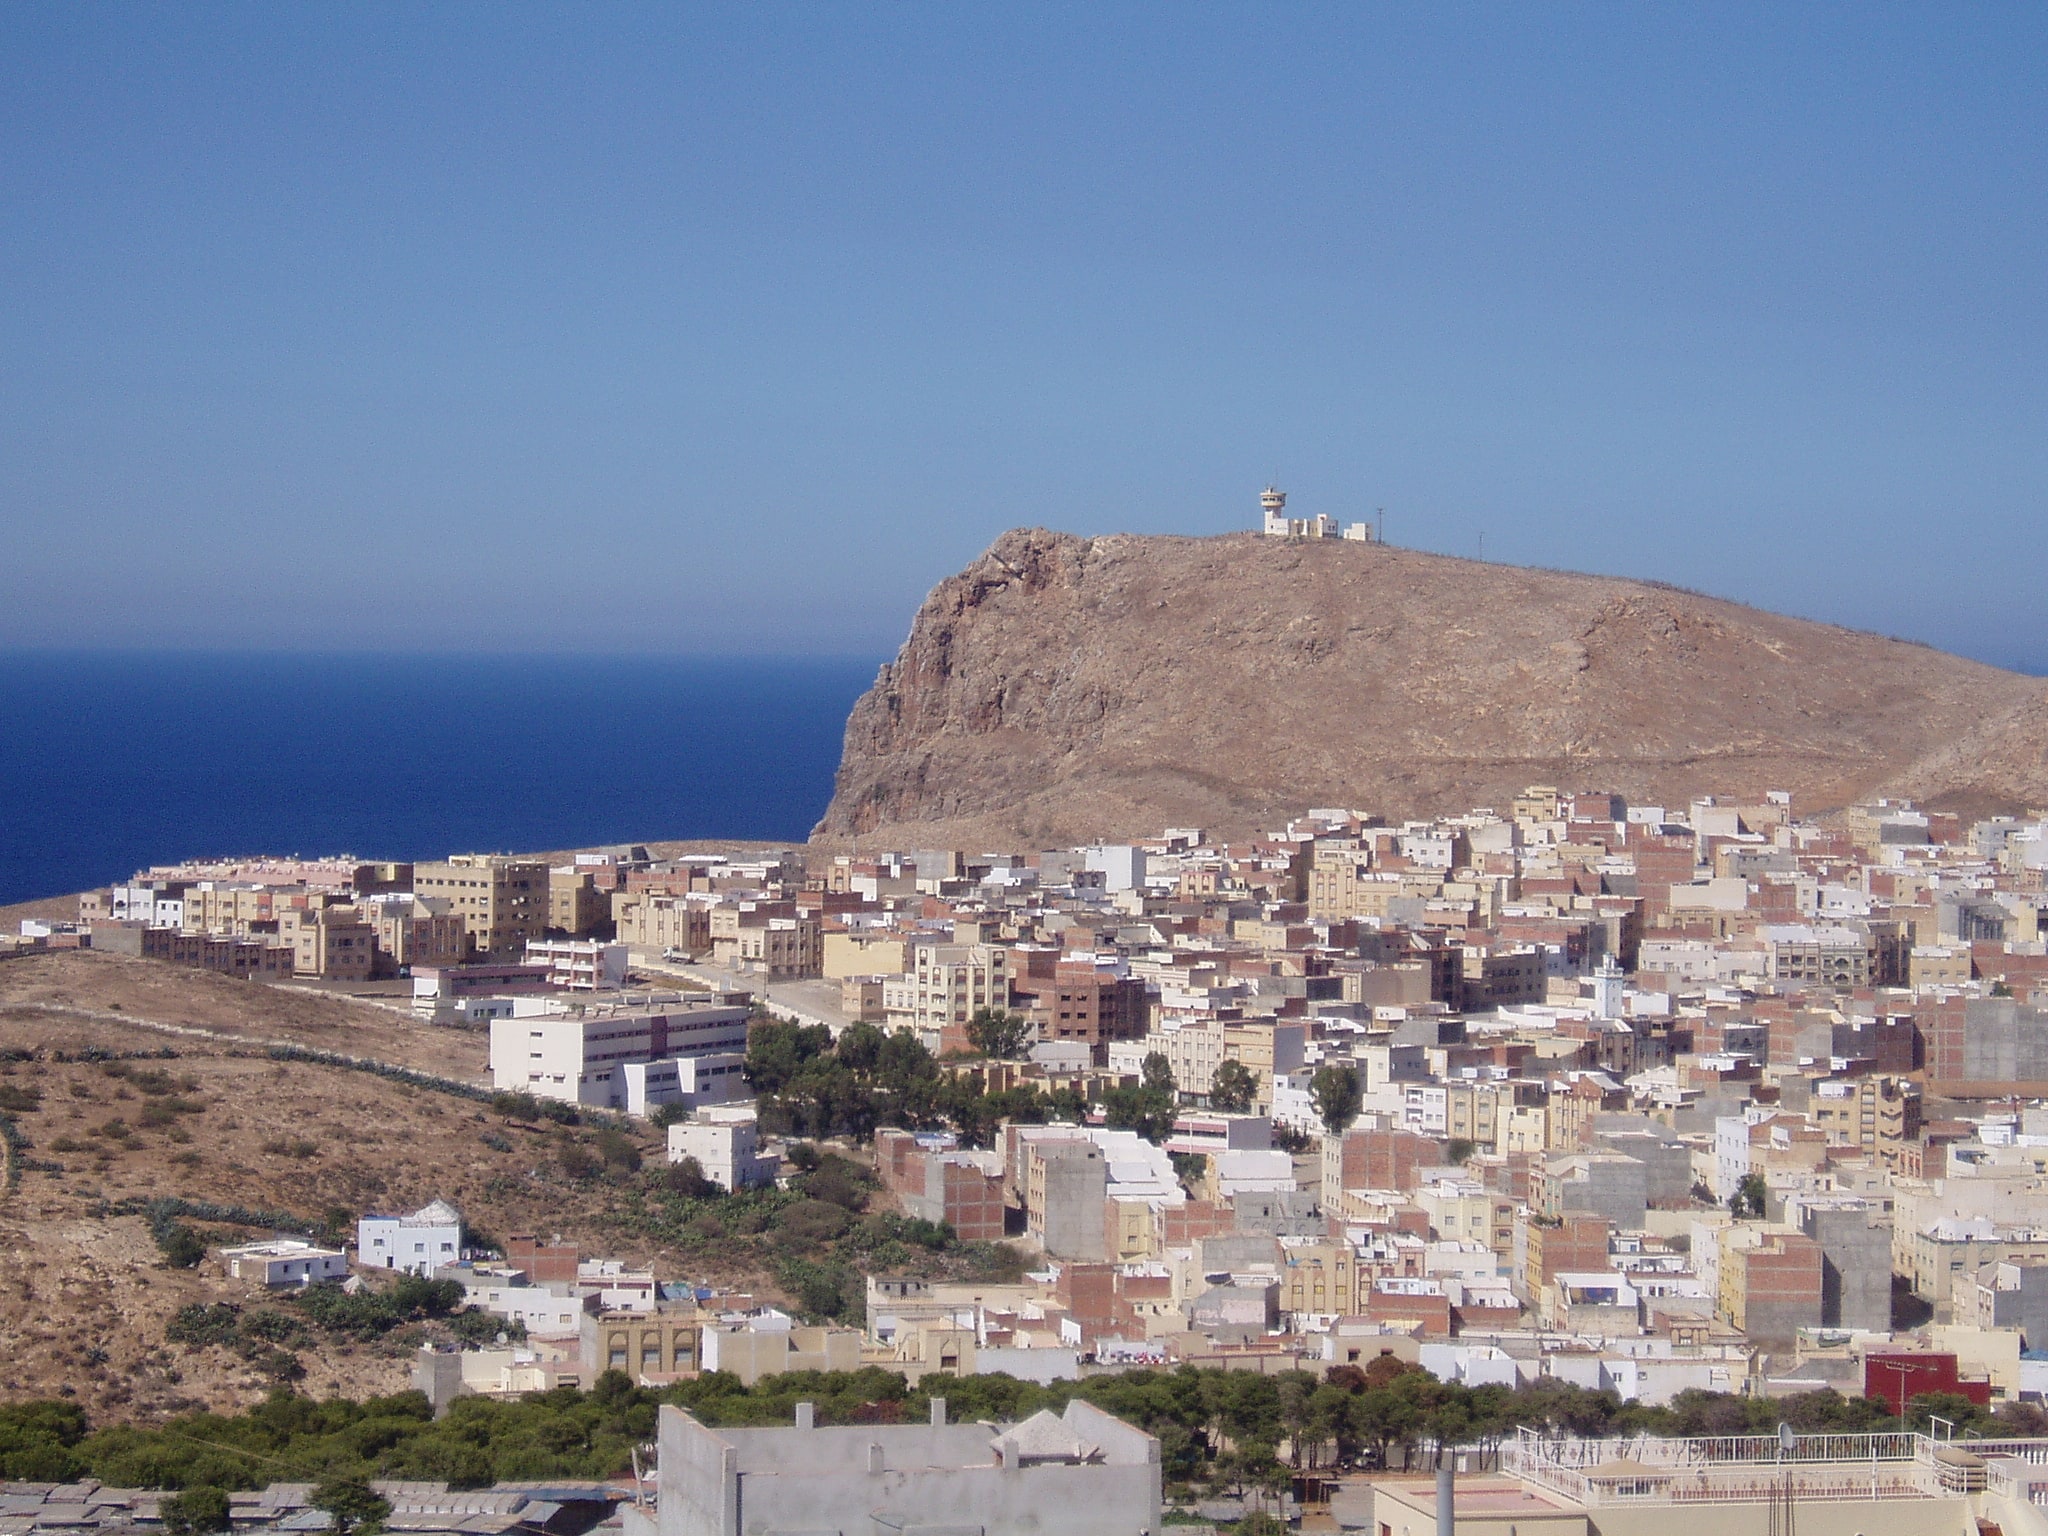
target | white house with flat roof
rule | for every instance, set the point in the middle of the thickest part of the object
(285, 1261)
(419, 1244)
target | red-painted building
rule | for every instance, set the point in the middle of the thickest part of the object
(1899, 1376)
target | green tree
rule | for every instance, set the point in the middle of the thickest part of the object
(1751, 1197)
(1157, 1073)
(1147, 1111)
(355, 1506)
(1334, 1088)
(1457, 1149)
(196, 1511)
(999, 1033)
(776, 1052)
(1232, 1088)
(182, 1247)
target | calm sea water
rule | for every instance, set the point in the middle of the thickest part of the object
(109, 763)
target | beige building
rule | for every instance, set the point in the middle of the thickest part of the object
(213, 906)
(414, 932)
(577, 905)
(750, 1351)
(1320, 1277)
(334, 942)
(1466, 1211)
(861, 953)
(661, 923)
(783, 948)
(1195, 1048)
(952, 982)
(1878, 1114)
(502, 901)
(651, 1347)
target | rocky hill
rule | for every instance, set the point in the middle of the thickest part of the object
(126, 1081)
(1063, 688)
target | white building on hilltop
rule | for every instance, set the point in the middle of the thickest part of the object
(1277, 524)
(419, 1244)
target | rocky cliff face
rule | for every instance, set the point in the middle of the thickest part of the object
(1062, 688)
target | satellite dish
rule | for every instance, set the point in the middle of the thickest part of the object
(1788, 1441)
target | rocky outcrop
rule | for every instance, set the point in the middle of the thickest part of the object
(1063, 687)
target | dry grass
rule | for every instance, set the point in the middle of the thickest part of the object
(231, 1126)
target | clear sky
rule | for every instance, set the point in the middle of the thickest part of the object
(512, 327)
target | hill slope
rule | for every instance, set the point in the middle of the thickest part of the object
(1062, 688)
(85, 1295)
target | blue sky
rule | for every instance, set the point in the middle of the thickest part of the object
(732, 329)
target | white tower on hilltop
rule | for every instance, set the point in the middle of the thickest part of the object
(1274, 504)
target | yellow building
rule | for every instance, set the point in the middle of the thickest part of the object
(503, 902)
(1320, 1277)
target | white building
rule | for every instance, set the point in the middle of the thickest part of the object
(695, 1082)
(504, 1291)
(1276, 524)
(606, 1285)
(726, 1145)
(1121, 865)
(419, 1244)
(580, 965)
(578, 1056)
(285, 1261)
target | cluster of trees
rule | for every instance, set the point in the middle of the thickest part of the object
(1218, 1430)
(267, 1336)
(809, 1086)
(816, 1237)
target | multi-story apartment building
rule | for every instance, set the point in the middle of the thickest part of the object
(1835, 955)
(781, 949)
(1878, 1114)
(251, 959)
(1195, 1047)
(1319, 1277)
(502, 901)
(950, 984)
(1770, 1282)
(577, 904)
(1080, 999)
(411, 931)
(219, 906)
(661, 922)
(578, 1056)
(330, 941)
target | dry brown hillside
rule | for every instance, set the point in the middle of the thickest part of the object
(84, 1293)
(1063, 688)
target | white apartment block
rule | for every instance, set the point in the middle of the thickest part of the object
(579, 1057)
(580, 965)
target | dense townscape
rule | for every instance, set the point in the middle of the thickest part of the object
(1335, 1148)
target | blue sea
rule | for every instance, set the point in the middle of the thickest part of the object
(112, 762)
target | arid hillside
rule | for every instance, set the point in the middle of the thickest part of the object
(85, 1293)
(1064, 688)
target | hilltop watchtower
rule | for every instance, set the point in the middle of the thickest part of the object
(1274, 504)
(1278, 525)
